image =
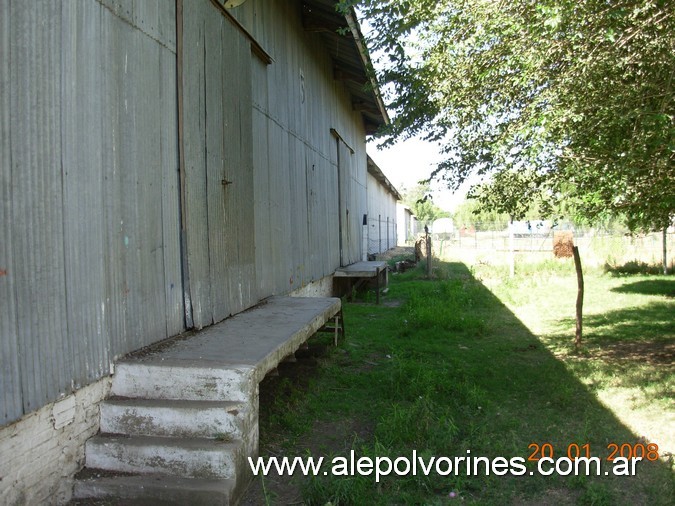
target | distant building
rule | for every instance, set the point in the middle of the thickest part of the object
(443, 228)
(531, 228)
(382, 216)
(408, 226)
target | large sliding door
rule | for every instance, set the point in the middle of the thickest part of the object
(351, 201)
(217, 160)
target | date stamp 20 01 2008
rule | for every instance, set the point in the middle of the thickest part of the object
(646, 451)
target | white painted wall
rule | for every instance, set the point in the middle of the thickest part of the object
(321, 288)
(40, 453)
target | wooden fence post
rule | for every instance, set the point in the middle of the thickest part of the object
(580, 295)
(428, 246)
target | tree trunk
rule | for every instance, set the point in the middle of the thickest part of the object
(665, 250)
(429, 253)
(580, 296)
(512, 253)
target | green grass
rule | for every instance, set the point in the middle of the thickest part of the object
(458, 367)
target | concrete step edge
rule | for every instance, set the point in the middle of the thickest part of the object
(173, 418)
(182, 457)
(174, 403)
(161, 489)
(196, 443)
(201, 382)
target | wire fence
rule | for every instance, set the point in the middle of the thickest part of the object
(597, 247)
(381, 234)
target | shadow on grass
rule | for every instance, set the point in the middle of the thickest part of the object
(635, 267)
(629, 348)
(644, 335)
(665, 287)
(453, 371)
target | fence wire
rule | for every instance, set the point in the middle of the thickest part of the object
(609, 247)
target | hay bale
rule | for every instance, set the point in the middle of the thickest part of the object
(420, 249)
(563, 244)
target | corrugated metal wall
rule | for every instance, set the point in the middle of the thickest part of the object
(352, 181)
(90, 252)
(296, 103)
(382, 230)
(11, 402)
(90, 260)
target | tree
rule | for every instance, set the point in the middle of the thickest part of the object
(471, 214)
(420, 202)
(547, 100)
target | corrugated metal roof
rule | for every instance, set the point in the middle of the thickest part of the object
(347, 47)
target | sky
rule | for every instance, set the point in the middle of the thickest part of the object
(407, 162)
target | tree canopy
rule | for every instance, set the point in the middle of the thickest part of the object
(419, 200)
(470, 214)
(546, 100)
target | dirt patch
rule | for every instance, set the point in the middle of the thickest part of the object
(529, 347)
(334, 437)
(326, 438)
(392, 303)
(645, 352)
(398, 251)
(551, 497)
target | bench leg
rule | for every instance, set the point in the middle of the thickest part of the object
(337, 327)
(377, 286)
(342, 325)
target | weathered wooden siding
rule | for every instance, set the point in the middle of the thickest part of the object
(296, 103)
(90, 200)
(382, 219)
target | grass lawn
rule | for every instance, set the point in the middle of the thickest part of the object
(475, 362)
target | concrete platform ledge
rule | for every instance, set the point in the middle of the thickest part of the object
(183, 418)
(254, 341)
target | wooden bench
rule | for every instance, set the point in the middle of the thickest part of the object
(359, 273)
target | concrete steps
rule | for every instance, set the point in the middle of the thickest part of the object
(172, 439)
(183, 418)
